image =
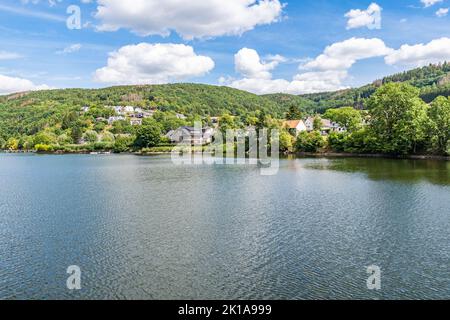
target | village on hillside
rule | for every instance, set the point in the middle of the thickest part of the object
(189, 134)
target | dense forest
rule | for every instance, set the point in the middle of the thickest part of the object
(432, 81)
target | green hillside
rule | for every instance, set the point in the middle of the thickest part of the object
(432, 80)
(28, 113)
(54, 116)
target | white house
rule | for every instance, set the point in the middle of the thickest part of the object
(128, 109)
(327, 126)
(309, 123)
(111, 120)
(295, 126)
(191, 135)
(136, 121)
(336, 127)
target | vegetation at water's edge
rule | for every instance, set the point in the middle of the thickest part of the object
(397, 121)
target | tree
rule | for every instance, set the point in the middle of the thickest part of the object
(309, 142)
(439, 125)
(12, 144)
(398, 118)
(317, 124)
(122, 127)
(90, 136)
(294, 113)
(122, 144)
(149, 134)
(286, 143)
(69, 120)
(76, 133)
(347, 117)
(44, 138)
(108, 137)
(226, 123)
(64, 139)
(169, 120)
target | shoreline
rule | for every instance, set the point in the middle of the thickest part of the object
(369, 155)
(296, 155)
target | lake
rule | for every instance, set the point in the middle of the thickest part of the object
(143, 228)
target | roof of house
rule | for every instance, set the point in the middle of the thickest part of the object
(292, 124)
(326, 123)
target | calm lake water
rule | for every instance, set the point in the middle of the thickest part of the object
(142, 228)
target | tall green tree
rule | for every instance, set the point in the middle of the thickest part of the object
(439, 125)
(347, 117)
(317, 124)
(294, 113)
(149, 134)
(398, 118)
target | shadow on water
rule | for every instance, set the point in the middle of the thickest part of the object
(409, 171)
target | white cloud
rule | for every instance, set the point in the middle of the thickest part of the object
(370, 18)
(190, 19)
(248, 63)
(325, 73)
(6, 55)
(417, 55)
(147, 63)
(70, 49)
(442, 12)
(429, 3)
(342, 55)
(12, 84)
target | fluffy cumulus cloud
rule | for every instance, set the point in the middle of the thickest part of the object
(429, 3)
(442, 12)
(370, 18)
(248, 63)
(421, 54)
(327, 72)
(147, 63)
(12, 84)
(190, 19)
(342, 55)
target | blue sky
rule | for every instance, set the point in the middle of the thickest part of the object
(283, 40)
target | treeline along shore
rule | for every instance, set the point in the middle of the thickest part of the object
(391, 119)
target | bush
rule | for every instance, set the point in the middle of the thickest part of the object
(65, 139)
(91, 136)
(123, 144)
(309, 142)
(448, 147)
(362, 141)
(149, 134)
(43, 148)
(337, 141)
(108, 137)
(44, 138)
(286, 143)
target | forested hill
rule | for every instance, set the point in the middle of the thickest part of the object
(432, 80)
(196, 99)
(30, 112)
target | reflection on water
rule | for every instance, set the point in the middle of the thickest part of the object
(433, 171)
(142, 228)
